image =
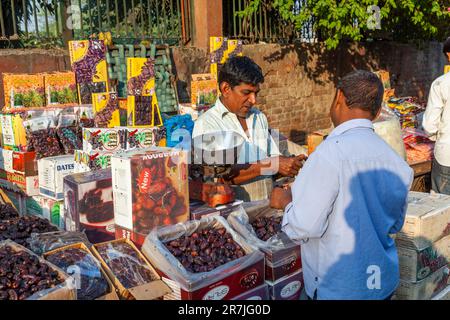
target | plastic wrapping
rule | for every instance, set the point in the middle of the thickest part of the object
(126, 264)
(76, 258)
(240, 220)
(160, 257)
(65, 290)
(42, 137)
(44, 242)
(387, 126)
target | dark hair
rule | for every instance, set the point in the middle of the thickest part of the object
(446, 46)
(239, 70)
(362, 89)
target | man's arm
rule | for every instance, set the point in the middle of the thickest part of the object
(433, 112)
(313, 195)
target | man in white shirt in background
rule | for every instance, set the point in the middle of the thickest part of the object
(436, 123)
(239, 80)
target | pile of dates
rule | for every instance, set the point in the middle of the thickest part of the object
(92, 283)
(205, 250)
(267, 227)
(7, 211)
(44, 142)
(22, 275)
(20, 229)
(126, 264)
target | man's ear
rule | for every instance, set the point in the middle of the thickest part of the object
(340, 99)
(224, 88)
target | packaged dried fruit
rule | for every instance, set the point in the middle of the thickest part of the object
(23, 91)
(150, 189)
(203, 90)
(260, 226)
(91, 281)
(38, 279)
(42, 137)
(106, 110)
(91, 161)
(130, 271)
(139, 138)
(61, 88)
(142, 104)
(104, 139)
(226, 281)
(40, 243)
(68, 133)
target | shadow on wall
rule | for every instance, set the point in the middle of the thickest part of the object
(367, 265)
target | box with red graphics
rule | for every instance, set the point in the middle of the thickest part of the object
(287, 288)
(150, 189)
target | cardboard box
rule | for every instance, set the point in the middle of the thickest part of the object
(61, 89)
(283, 268)
(203, 90)
(150, 189)
(18, 162)
(88, 204)
(86, 271)
(91, 161)
(19, 182)
(424, 289)
(287, 288)
(52, 170)
(104, 139)
(88, 60)
(315, 138)
(416, 265)
(66, 290)
(427, 220)
(23, 91)
(142, 103)
(17, 200)
(148, 291)
(223, 283)
(260, 293)
(13, 132)
(106, 109)
(443, 295)
(47, 208)
(200, 210)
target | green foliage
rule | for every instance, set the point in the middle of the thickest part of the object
(403, 20)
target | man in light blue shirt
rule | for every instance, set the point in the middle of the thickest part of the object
(349, 197)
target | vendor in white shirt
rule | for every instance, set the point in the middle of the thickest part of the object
(239, 80)
(436, 123)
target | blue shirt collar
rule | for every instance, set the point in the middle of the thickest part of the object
(351, 124)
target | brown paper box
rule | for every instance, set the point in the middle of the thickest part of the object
(148, 291)
(112, 295)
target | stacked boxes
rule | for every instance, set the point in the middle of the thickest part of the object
(424, 246)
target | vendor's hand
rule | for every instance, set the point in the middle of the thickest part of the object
(289, 166)
(280, 197)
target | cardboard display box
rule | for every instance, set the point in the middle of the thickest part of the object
(13, 132)
(427, 220)
(104, 139)
(150, 189)
(106, 109)
(18, 162)
(47, 208)
(66, 290)
(416, 265)
(222, 283)
(17, 200)
(424, 289)
(148, 291)
(91, 161)
(52, 171)
(287, 288)
(141, 138)
(88, 204)
(260, 293)
(199, 210)
(60, 88)
(23, 91)
(19, 182)
(111, 294)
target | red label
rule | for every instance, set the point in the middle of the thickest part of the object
(144, 180)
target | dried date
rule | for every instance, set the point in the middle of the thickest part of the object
(126, 264)
(205, 250)
(22, 275)
(20, 229)
(7, 211)
(44, 142)
(92, 283)
(267, 227)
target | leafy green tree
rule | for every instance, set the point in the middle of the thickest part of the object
(337, 20)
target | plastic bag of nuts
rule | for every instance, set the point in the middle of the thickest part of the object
(33, 278)
(220, 237)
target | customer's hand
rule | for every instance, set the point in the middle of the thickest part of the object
(280, 197)
(289, 166)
